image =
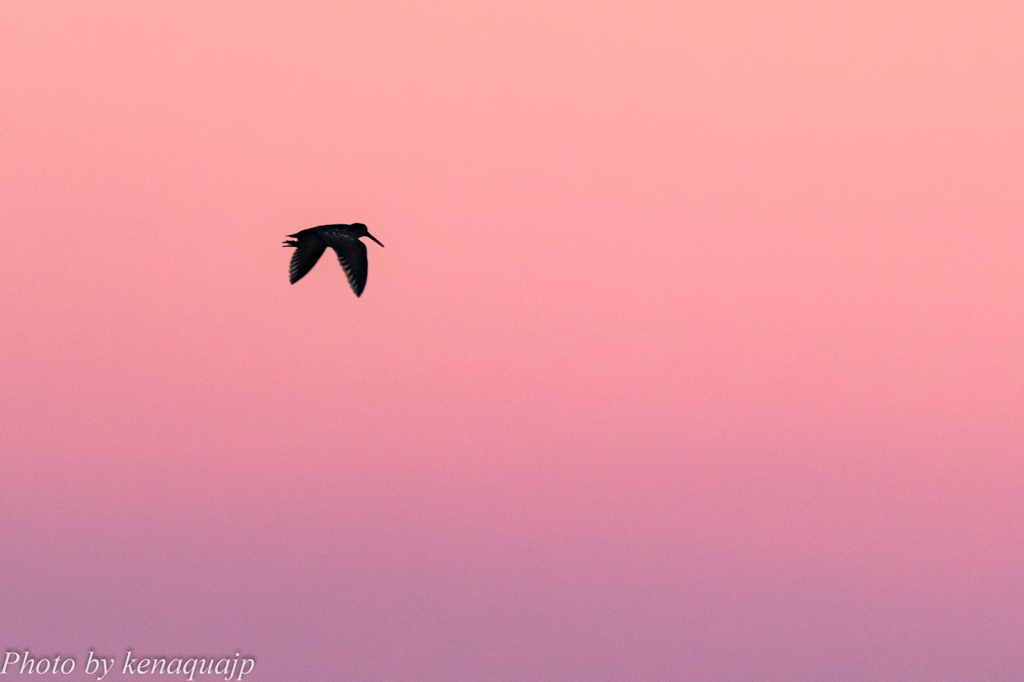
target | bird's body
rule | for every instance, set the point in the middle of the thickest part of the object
(344, 239)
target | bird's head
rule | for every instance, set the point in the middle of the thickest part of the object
(363, 232)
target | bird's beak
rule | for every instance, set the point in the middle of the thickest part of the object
(373, 238)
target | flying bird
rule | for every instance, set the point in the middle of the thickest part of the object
(344, 239)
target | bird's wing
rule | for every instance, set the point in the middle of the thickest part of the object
(308, 249)
(352, 256)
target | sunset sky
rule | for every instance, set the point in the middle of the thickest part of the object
(696, 350)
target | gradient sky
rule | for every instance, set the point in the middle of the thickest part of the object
(694, 353)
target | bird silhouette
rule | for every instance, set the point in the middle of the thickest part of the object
(344, 239)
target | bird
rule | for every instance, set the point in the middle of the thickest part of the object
(309, 245)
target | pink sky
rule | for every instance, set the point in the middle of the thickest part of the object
(694, 353)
